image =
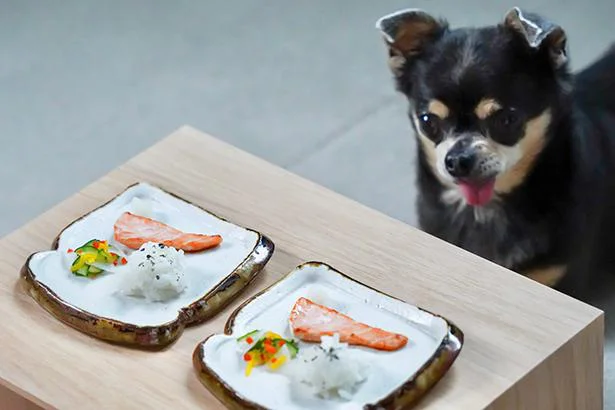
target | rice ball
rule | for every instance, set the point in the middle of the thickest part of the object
(155, 272)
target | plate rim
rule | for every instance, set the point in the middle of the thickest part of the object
(150, 336)
(405, 396)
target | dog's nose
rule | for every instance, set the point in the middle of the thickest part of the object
(459, 164)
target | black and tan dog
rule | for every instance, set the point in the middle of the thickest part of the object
(516, 154)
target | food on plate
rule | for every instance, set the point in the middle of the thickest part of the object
(155, 272)
(310, 321)
(94, 257)
(329, 370)
(133, 231)
(265, 348)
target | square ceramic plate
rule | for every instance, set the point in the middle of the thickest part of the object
(94, 306)
(397, 379)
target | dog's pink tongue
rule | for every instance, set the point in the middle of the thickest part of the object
(477, 195)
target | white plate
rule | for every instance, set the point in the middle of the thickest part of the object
(395, 378)
(219, 272)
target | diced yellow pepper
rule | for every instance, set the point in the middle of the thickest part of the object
(78, 264)
(279, 361)
(249, 367)
(266, 353)
(88, 258)
(103, 246)
(83, 259)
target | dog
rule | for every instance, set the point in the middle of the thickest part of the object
(515, 152)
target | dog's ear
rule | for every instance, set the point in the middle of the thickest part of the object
(407, 34)
(539, 33)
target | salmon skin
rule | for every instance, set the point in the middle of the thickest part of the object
(309, 321)
(133, 231)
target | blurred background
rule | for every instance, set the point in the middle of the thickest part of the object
(85, 85)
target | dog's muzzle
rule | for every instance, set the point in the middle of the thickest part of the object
(461, 159)
(471, 159)
(473, 166)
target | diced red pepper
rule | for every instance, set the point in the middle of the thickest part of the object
(247, 357)
(124, 261)
(269, 349)
(273, 360)
(115, 262)
(281, 342)
(96, 244)
(249, 340)
(70, 251)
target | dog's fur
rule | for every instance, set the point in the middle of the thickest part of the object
(550, 162)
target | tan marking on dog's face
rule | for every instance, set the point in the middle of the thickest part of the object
(438, 108)
(547, 276)
(527, 149)
(486, 107)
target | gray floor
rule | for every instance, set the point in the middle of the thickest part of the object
(303, 84)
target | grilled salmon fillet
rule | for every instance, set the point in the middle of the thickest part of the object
(133, 231)
(309, 321)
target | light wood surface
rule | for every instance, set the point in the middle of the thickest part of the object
(526, 346)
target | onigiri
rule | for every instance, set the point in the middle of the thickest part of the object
(155, 272)
(329, 370)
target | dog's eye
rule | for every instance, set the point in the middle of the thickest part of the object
(505, 118)
(504, 125)
(430, 126)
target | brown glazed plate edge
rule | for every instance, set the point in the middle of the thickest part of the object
(404, 397)
(150, 337)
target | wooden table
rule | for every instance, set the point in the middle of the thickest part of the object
(526, 346)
